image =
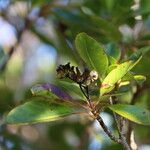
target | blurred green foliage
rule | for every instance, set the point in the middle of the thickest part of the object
(123, 27)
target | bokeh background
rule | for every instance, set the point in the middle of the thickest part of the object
(38, 35)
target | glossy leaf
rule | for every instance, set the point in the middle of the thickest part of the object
(116, 74)
(92, 53)
(50, 90)
(37, 110)
(71, 88)
(133, 113)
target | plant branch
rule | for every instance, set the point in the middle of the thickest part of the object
(86, 94)
(107, 131)
(98, 117)
(81, 88)
(120, 126)
(133, 101)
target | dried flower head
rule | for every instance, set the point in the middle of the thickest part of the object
(73, 73)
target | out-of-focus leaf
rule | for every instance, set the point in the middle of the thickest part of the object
(40, 2)
(92, 53)
(107, 96)
(71, 19)
(88, 23)
(133, 113)
(5, 99)
(113, 147)
(124, 83)
(124, 87)
(3, 58)
(50, 90)
(113, 50)
(111, 67)
(109, 4)
(113, 10)
(140, 79)
(143, 66)
(144, 50)
(87, 11)
(144, 7)
(139, 53)
(111, 60)
(143, 99)
(37, 110)
(116, 74)
(128, 77)
(105, 26)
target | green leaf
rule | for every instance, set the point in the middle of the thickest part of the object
(113, 50)
(111, 67)
(3, 58)
(72, 88)
(114, 76)
(104, 27)
(139, 79)
(106, 97)
(92, 53)
(118, 73)
(37, 110)
(38, 90)
(50, 91)
(85, 22)
(145, 7)
(133, 113)
(128, 77)
(111, 60)
(144, 50)
(135, 57)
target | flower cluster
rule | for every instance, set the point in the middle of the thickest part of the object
(73, 73)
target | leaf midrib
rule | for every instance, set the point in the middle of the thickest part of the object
(91, 62)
